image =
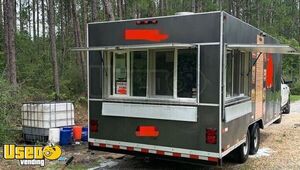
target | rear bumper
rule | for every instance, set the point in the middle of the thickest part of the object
(149, 150)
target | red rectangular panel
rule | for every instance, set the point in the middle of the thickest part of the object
(147, 131)
(145, 34)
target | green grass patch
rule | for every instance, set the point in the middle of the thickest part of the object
(295, 98)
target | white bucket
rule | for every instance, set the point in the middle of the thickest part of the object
(54, 135)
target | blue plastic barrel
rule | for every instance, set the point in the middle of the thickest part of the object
(84, 136)
(69, 128)
(65, 137)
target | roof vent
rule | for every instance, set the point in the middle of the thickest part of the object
(184, 13)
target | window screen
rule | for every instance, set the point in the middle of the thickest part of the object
(237, 73)
(164, 71)
(186, 73)
(229, 75)
(139, 73)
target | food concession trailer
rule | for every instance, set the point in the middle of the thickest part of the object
(193, 86)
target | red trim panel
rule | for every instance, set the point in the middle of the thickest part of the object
(147, 131)
(176, 154)
(153, 35)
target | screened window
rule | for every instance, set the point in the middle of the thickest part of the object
(139, 73)
(164, 73)
(170, 73)
(237, 73)
(187, 73)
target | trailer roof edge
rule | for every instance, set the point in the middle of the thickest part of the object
(265, 48)
(140, 46)
(166, 16)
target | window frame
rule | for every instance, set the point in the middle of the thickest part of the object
(127, 73)
(242, 95)
(150, 87)
(131, 73)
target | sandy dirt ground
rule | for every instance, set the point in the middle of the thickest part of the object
(279, 149)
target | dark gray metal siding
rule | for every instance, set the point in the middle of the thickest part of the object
(238, 32)
(200, 28)
(210, 73)
(95, 74)
(177, 134)
(181, 29)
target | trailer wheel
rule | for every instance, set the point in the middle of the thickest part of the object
(254, 139)
(241, 153)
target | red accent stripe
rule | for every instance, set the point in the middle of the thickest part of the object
(116, 146)
(194, 156)
(175, 154)
(102, 145)
(160, 152)
(213, 159)
(145, 34)
(129, 148)
(144, 150)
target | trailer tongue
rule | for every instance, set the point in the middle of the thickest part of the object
(196, 86)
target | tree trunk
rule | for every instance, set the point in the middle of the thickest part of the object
(43, 19)
(161, 7)
(199, 5)
(37, 18)
(62, 33)
(166, 9)
(109, 9)
(29, 17)
(15, 14)
(124, 8)
(33, 19)
(1, 16)
(51, 20)
(78, 41)
(6, 48)
(94, 7)
(299, 24)
(84, 16)
(120, 9)
(10, 43)
(193, 5)
(21, 17)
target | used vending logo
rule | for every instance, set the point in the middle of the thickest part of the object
(31, 155)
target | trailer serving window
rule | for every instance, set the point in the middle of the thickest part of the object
(237, 74)
(156, 74)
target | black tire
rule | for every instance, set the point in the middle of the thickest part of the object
(254, 139)
(279, 120)
(241, 153)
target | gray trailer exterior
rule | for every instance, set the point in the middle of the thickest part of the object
(184, 133)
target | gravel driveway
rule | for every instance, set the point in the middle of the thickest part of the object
(280, 149)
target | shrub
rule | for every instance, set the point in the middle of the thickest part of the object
(10, 115)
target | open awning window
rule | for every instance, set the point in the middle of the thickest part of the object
(141, 46)
(264, 48)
